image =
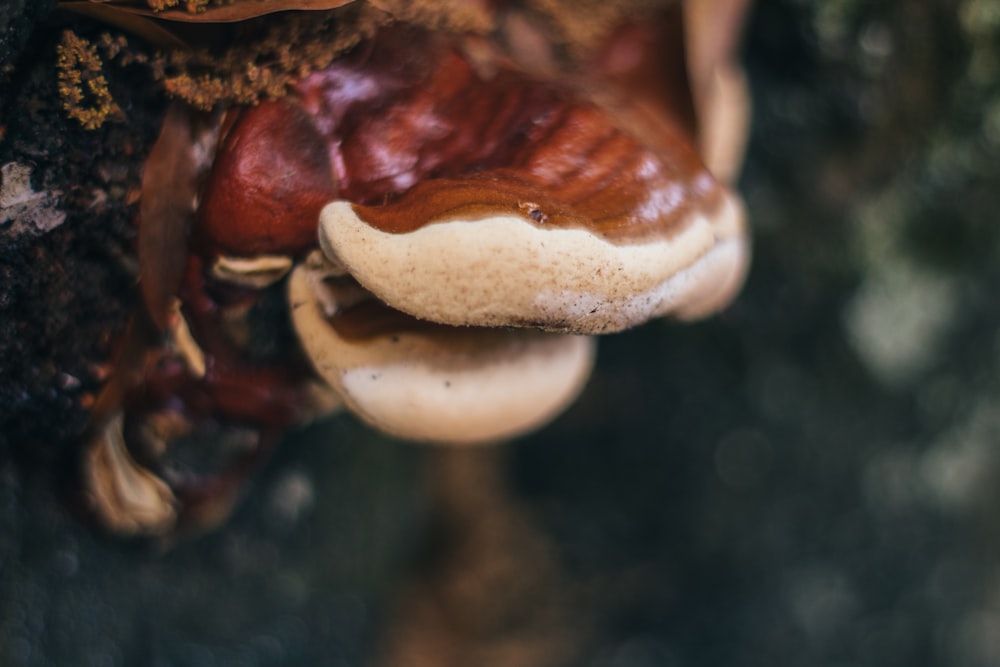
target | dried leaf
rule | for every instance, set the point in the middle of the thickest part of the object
(148, 29)
(166, 210)
(238, 10)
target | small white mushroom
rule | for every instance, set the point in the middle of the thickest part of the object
(127, 498)
(426, 382)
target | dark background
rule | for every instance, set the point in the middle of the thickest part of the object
(809, 479)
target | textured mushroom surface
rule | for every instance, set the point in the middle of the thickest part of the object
(510, 272)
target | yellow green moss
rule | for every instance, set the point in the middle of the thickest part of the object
(268, 66)
(82, 86)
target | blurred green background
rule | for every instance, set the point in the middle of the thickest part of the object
(808, 479)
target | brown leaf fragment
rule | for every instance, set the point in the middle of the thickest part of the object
(169, 190)
(238, 10)
(132, 23)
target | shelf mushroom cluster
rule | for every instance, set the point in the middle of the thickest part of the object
(510, 222)
(452, 219)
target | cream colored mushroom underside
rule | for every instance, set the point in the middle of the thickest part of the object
(128, 499)
(440, 384)
(505, 271)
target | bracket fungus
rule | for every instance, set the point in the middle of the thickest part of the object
(445, 217)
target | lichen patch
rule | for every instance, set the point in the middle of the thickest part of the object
(22, 210)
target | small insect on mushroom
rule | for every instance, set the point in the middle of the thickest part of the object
(428, 231)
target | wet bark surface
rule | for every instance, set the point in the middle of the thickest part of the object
(807, 479)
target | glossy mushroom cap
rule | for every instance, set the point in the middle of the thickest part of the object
(270, 179)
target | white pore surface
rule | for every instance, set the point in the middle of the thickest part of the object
(496, 397)
(505, 271)
(442, 384)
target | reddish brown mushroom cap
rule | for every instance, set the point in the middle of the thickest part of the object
(580, 227)
(271, 177)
